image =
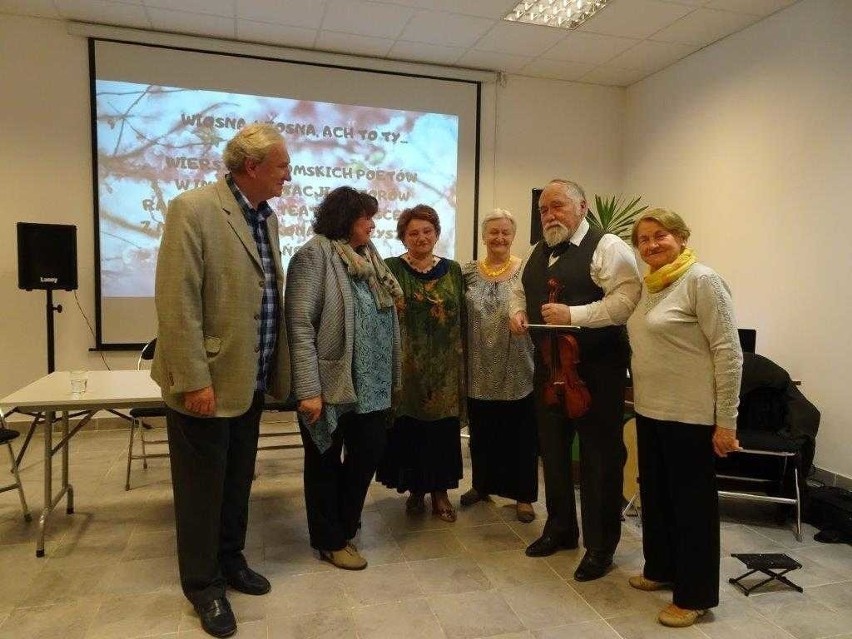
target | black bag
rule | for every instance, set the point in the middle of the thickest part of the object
(829, 508)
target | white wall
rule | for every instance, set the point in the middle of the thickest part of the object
(751, 141)
(547, 129)
(46, 176)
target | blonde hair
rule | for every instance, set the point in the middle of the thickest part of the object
(669, 220)
(497, 214)
(251, 142)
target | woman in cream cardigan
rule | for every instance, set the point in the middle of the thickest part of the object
(686, 366)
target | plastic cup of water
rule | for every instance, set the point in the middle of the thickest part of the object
(79, 380)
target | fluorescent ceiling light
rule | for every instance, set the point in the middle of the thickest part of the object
(564, 14)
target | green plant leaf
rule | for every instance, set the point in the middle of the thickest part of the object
(615, 215)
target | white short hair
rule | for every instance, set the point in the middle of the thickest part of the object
(498, 214)
(574, 191)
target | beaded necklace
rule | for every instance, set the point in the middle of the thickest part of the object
(497, 272)
(410, 261)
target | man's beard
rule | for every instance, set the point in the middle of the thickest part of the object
(556, 234)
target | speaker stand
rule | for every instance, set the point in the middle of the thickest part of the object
(51, 340)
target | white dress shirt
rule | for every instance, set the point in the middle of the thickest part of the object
(613, 268)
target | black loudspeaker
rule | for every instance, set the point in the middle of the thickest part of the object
(47, 256)
(535, 218)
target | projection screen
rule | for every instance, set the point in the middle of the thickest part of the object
(160, 120)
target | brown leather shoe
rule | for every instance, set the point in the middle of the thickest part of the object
(524, 512)
(346, 558)
(471, 497)
(641, 582)
(675, 617)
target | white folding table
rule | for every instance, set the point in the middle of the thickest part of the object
(52, 394)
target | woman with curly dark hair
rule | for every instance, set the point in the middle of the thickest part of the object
(344, 344)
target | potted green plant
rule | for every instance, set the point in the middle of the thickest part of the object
(615, 215)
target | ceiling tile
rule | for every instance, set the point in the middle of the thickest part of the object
(652, 56)
(279, 34)
(98, 11)
(494, 9)
(493, 61)
(634, 19)
(197, 23)
(557, 69)
(754, 7)
(704, 26)
(214, 7)
(690, 3)
(453, 30)
(614, 76)
(520, 39)
(425, 53)
(296, 13)
(366, 18)
(588, 47)
(35, 8)
(353, 44)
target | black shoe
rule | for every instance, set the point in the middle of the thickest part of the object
(548, 544)
(217, 618)
(249, 582)
(594, 565)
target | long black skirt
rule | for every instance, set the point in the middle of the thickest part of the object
(422, 456)
(504, 448)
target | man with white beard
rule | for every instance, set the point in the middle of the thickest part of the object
(598, 289)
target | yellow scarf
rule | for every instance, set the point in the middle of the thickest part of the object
(665, 275)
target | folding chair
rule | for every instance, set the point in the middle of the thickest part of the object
(7, 436)
(137, 421)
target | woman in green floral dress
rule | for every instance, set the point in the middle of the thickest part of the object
(424, 449)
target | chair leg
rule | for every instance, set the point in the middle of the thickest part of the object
(142, 439)
(24, 507)
(631, 506)
(798, 502)
(130, 454)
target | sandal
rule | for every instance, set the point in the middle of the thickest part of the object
(442, 508)
(444, 513)
(415, 504)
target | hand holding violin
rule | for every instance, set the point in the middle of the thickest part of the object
(553, 313)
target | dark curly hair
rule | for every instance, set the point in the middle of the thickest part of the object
(417, 212)
(340, 209)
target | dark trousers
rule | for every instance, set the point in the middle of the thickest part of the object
(504, 448)
(335, 488)
(212, 462)
(680, 509)
(602, 457)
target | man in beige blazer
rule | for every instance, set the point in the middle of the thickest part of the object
(221, 345)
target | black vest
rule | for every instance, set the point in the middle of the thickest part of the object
(572, 270)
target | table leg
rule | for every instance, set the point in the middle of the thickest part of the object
(66, 487)
(48, 481)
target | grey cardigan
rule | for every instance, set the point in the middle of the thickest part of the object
(320, 316)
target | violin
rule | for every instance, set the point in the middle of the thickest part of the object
(561, 354)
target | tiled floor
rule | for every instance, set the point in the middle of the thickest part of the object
(110, 569)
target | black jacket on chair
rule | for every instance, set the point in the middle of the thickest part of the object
(773, 415)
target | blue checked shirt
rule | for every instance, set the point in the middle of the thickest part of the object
(268, 328)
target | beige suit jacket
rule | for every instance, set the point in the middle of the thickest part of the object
(208, 293)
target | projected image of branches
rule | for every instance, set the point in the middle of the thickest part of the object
(155, 142)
